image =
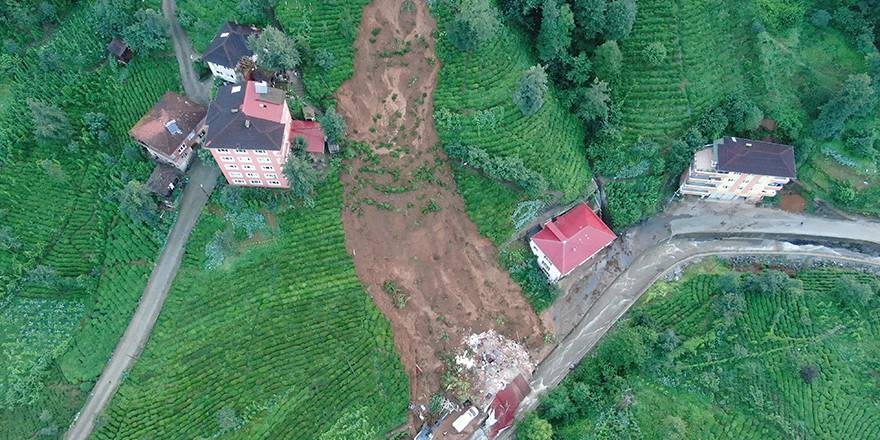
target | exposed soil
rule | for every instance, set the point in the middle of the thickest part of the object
(792, 202)
(420, 256)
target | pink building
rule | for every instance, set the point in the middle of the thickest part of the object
(248, 134)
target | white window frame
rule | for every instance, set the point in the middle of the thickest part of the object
(256, 182)
(245, 159)
(254, 175)
(236, 174)
(267, 168)
(248, 167)
(264, 160)
(231, 166)
(227, 159)
(261, 152)
(238, 181)
(274, 182)
(270, 175)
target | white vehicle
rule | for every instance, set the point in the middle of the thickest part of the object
(463, 420)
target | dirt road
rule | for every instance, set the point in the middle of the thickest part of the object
(422, 259)
(198, 91)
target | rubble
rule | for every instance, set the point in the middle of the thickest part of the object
(492, 361)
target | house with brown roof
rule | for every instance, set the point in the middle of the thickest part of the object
(120, 50)
(249, 134)
(738, 169)
(227, 49)
(170, 129)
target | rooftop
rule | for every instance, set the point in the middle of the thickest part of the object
(754, 157)
(163, 178)
(230, 44)
(168, 123)
(312, 132)
(239, 117)
(573, 237)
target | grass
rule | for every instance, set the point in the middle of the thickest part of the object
(282, 335)
(66, 223)
(741, 379)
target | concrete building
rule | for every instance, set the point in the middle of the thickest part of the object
(227, 48)
(569, 240)
(739, 169)
(170, 129)
(248, 134)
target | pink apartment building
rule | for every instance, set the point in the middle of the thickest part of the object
(248, 134)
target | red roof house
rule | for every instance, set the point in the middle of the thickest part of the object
(313, 134)
(503, 407)
(569, 240)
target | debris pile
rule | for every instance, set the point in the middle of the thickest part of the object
(492, 361)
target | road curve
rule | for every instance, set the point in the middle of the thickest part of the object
(644, 272)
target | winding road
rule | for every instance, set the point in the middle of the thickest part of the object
(202, 179)
(696, 230)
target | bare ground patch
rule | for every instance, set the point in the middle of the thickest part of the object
(419, 255)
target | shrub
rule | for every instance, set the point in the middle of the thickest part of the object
(557, 406)
(781, 14)
(809, 373)
(136, 202)
(50, 122)
(502, 168)
(843, 192)
(325, 60)
(654, 53)
(529, 95)
(742, 112)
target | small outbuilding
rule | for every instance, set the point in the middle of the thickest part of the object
(164, 179)
(503, 407)
(569, 240)
(120, 50)
(311, 131)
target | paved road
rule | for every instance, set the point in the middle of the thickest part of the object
(647, 269)
(198, 91)
(202, 181)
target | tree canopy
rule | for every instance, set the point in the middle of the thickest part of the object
(856, 98)
(302, 177)
(475, 23)
(529, 95)
(333, 124)
(274, 50)
(557, 22)
(148, 31)
(50, 122)
(619, 19)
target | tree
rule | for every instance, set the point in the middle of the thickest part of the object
(678, 157)
(475, 23)
(557, 405)
(821, 18)
(623, 351)
(654, 53)
(863, 143)
(554, 39)
(712, 123)
(529, 94)
(533, 427)
(579, 69)
(742, 112)
(50, 123)
(855, 99)
(589, 16)
(669, 340)
(779, 15)
(619, 19)
(148, 31)
(334, 125)
(274, 49)
(852, 293)
(113, 16)
(592, 102)
(607, 61)
(254, 10)
(302, 177)
(136, 202)
(97, 123)
(325, 60)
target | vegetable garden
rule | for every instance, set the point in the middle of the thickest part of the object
(71, 265)
(727, 355)
(279, 341)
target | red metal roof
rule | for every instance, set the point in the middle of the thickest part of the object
(312, 132)
(573, 237)
(270, 105)
(506, 402)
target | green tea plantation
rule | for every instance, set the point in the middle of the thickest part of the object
(733, 355)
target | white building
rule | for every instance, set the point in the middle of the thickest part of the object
(227, 49)
(739, 169)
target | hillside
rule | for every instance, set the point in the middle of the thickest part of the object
(72, 265)
(277, 340)
(721, 354)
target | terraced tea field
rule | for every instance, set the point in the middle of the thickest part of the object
(71, 265)
(473, 106)
(280, 341)
(790, 365)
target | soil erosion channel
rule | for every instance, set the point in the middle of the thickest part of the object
(419, 255)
